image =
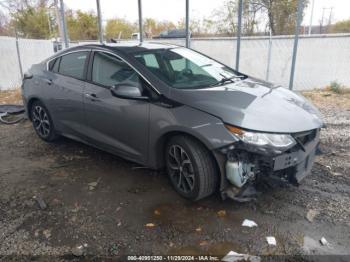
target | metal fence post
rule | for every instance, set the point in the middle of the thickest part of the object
(64, 25)
(140, 21)
(18, 55)
(239, 29)
(269, 57)
(187, 23)
(100, 33)
(311, 16)
(296, 40)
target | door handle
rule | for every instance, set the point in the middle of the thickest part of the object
(92, 97)
(48, 81)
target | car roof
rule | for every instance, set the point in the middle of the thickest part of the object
(131, 46)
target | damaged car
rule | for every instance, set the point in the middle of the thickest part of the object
(211, 128)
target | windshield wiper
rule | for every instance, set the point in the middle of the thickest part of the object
(206, 65)
(225, 79)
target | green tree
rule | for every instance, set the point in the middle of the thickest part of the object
(82, 25)
(341, 27)
(32, 22)
(281, 14)
(150, 27)
(226, 17)
(119, 26)
(29, 17)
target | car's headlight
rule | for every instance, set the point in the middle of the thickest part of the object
(279, 141)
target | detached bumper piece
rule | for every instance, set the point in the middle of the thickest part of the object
(248, 172)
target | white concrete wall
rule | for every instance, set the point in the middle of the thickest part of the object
(321, 58)
(9, 70)
(31, 51)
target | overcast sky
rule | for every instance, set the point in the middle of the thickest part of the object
(174, 10)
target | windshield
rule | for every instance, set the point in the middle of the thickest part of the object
(185, 69)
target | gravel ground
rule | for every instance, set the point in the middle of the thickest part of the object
(63, 200)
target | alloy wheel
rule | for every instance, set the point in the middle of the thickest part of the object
(41, 121)
(181, 170)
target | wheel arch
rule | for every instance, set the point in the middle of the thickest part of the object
(29, 106)
(164, 139)
(218, 158)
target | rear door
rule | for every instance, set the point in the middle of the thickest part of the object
(115, 124)
(66, 102)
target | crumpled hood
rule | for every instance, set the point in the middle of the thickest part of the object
(254, 105)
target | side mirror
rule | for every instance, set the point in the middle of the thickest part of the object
(127, 91)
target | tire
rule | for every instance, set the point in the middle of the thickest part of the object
(197, 166)
(42, 122)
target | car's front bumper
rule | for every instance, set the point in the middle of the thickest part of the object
(301, 160)
(273, 169)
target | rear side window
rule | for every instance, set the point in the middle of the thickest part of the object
(73, 64)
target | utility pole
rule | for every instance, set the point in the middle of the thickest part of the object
(330, 17)
(311, 16)
(321, 25)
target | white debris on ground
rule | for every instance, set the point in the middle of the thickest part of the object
(249, 223)
(324, 241)
(271, 241)
(233, 256)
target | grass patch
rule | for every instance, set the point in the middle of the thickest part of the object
(337, 88)
(11, 97)
(329, 98)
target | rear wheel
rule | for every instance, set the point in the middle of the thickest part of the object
(42, 122)
(191, 168)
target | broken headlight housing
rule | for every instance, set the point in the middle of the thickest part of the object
(276, 141)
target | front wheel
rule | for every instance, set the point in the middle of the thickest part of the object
(191, 168)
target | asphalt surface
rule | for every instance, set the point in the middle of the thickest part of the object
(68, 200)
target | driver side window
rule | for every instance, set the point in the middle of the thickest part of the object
(108, 70)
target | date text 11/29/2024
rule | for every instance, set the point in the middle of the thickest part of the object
(173, 258)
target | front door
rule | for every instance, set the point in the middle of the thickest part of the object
(115, 124)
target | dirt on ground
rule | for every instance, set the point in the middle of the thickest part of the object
(66, 200)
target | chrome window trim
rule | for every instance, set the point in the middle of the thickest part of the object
(137, 71)
(67, 53)
(108, 52)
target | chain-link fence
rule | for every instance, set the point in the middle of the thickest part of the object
(313, 63)
(320, 60)
(20, 56)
